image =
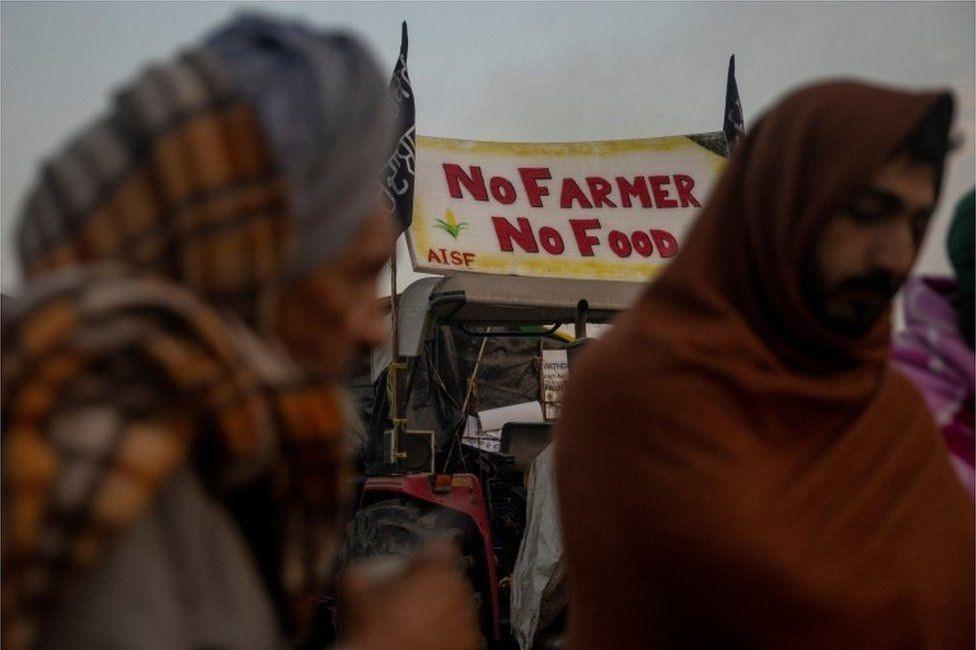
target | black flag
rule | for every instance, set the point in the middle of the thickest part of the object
(734, 126)
(397, 178)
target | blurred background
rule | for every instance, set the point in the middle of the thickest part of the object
(509, 71)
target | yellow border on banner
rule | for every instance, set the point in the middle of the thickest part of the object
(419, 231)
(595, 269)
(594, 148)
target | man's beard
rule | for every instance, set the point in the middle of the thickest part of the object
(853, 306)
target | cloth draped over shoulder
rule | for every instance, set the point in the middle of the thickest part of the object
(733, 473)
(150, 245)
(934, 354)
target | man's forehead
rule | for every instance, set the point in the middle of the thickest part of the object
(910, 182)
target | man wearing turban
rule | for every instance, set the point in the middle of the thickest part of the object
(201, 262)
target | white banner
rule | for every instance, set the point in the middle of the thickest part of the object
(614, 210)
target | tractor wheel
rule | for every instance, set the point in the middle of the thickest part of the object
(397, 527)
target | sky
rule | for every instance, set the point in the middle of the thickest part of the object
(508, 71)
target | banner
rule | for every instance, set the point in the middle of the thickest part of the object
(614, 210)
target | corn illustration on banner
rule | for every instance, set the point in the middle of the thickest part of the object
(611, 210)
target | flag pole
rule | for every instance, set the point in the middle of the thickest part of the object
(394, 361)
(398, 187)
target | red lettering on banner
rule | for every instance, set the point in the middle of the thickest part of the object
(551, 240)
(535, 192)
(642, 243)
(666, 244)
(600, 189)
(637, 189)
(475, 183)
(502, 189)
(619, 243)
(572, 192)
(446, 257)
(522, 235)
(584, 242)
(661, 199)
(685, 185)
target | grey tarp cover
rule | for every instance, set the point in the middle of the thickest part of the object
(508, 374)
(443, 356)
(538, 592)
(411, 320)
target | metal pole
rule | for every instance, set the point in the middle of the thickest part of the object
(394, 360)
(582, 311)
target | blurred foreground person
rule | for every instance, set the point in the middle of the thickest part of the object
(935, 350)
(201, 261)
(738, 466)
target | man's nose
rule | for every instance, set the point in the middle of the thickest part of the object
(895, 248)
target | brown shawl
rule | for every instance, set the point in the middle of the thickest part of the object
(730, 472)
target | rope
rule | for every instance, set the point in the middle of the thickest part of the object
(472, 386)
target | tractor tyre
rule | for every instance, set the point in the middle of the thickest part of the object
(395, 527)
(399, 527)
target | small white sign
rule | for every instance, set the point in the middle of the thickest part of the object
(555, 370)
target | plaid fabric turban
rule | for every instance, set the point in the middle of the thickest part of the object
(245, 161)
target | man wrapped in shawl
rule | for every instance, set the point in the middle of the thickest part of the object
(737, 463)
(201, 261)
(935, 350)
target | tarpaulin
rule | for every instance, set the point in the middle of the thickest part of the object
(538, 593)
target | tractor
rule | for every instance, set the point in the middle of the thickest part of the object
(465, 342)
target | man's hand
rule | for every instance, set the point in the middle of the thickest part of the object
(425, 605)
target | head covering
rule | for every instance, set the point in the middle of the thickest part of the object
(147, 240)
(241, 163)
(774, 199)
(325, 111)
(767, 481)
(961, 247)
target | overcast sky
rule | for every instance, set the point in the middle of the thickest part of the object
(509, 71)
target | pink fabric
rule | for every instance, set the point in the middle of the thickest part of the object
(933, 353)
